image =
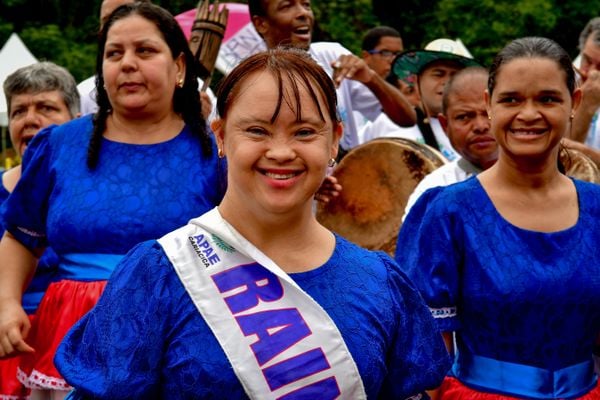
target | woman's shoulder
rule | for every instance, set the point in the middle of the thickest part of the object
(71, 133)
(445, 200)
(145, 258)
(589, 196)
(368, 264)
(586, 188)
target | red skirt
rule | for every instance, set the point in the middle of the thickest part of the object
(453, 389)
(10, 387)
(64, 303)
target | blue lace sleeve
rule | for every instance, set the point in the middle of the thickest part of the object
(430, 257)
(115, 351)
(418, 359)
(25, 210)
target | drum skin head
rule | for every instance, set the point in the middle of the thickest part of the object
(579, 166)
(377, 178)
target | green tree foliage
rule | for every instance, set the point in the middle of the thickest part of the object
(412, 18)
(343, 21)
(49, 42)
(485, 26)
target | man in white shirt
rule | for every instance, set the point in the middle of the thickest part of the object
(586, 124)
(464, 118)
(434, 66)
(360, 89)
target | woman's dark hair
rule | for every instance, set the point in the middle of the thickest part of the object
(533, 47)
(292, 65)
(186, 100)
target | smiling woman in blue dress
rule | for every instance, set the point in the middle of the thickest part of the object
(509, 260)
(256, 299)
(96, 186)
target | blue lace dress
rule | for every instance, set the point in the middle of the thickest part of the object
(44, 274)
(91, 218)
(10, 387)
(146, 339)
(525, 305)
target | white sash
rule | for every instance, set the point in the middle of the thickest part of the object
(280, 342)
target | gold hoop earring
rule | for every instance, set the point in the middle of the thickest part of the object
(572, 116)
(220, 153)
(180, 83)
(331, 163)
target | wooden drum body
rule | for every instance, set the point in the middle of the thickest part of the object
(377, 179)
(579, 166)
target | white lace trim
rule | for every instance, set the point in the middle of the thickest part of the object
(7, 397)
(445, 312)
(37, 380)
(415, 397)
(30, 232)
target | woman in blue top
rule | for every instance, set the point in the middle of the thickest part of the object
(256, 299)
(96, 186)
(37, 95)
(509, 260)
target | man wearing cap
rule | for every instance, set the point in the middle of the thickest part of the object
(465, 120)
(360, 89)
(434, 66)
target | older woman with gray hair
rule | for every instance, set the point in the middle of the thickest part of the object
(37, 96)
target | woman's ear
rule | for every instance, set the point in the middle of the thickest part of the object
(577, 96)
(217, 127)
(338, 131)
(181, 67)
(488, 106)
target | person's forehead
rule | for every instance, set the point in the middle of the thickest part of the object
(389, 41)
(29, 99)
(272, 5)
(591, 48)
(447, 65)
(34, 97)
(108, 6)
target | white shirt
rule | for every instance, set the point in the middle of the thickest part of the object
(87, 95)
(442, 139)
(383, 126)
(456, 171)
(593, 135)
(353, 96)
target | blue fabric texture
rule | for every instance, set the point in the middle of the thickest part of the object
(44, 274)
(136, 192)
(145, 338)
(519, 296)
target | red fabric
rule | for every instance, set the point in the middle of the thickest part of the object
(10, 387)
(453, 389)
(64, 303)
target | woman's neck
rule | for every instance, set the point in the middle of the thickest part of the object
(295, 241)
(10, 178)
(527, 173)
(147, 130)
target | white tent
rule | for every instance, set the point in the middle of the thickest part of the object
(13, 55)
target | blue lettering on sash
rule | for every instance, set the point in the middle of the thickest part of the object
(276, 331)
(204, 250)
(292, 329)
(296, 368)
(252, 277)
(322, 390)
